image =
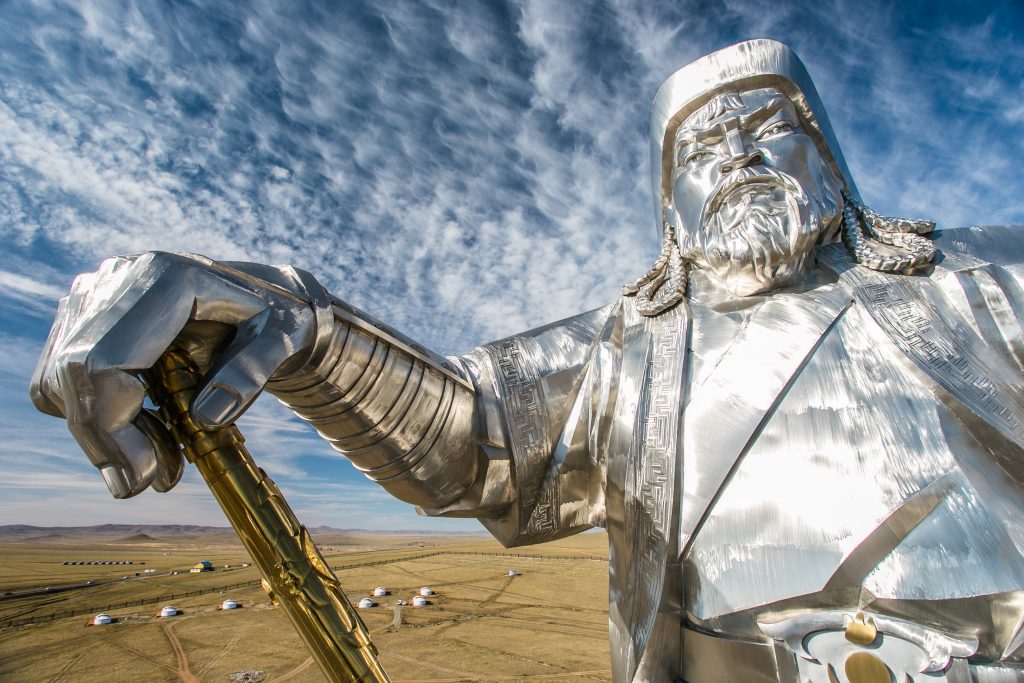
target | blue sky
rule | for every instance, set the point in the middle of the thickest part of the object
(462, 171)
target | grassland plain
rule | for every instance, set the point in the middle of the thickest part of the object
(549, 623)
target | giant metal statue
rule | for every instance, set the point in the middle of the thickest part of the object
(803, 428)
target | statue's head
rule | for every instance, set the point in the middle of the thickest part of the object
(747, 175)
(745, 165)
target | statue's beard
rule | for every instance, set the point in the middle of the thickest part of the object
(760, 229)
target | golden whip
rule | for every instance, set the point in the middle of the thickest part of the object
(294, 569)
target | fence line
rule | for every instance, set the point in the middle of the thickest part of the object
(529, 556)
(24, 621)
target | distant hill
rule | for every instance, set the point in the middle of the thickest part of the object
(48, 538)
(14, 533)
(18, 533)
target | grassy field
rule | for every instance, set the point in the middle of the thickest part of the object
(549, 623)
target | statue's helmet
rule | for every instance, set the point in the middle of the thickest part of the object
(739, 68)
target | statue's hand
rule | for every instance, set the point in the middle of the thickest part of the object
(240, 323)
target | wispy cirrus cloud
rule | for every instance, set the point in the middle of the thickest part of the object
(31, 296)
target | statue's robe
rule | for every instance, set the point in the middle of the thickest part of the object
(854, 443)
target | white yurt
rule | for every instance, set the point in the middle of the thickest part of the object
(229, 604)
(101, 619)
(366, 603)
(169, 611)
(419, 601)
(426, 591)
(513, 572)
(380, 591)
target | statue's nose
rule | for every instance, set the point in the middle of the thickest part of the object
(739, 154)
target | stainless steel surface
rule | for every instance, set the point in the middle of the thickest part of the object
(830, 422)
(748, 661)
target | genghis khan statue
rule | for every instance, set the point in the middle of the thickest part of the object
(802, 429)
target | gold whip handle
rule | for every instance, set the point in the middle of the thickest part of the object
(293, 569)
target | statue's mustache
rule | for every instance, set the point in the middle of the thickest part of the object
(761, 175)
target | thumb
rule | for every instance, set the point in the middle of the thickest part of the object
(239, 375)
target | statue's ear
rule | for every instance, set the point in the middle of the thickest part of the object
(669, 217)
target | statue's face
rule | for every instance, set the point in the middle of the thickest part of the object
(751, 195)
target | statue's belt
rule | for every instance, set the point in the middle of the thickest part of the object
(839, 646)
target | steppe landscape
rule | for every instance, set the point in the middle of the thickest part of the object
(548, 623)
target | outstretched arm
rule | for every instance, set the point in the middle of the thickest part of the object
(506, 433)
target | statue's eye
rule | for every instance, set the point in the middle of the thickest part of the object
(694, 157)
(775, 129)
